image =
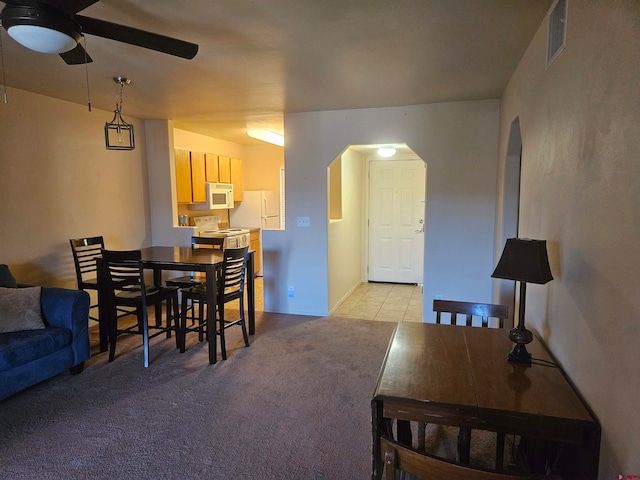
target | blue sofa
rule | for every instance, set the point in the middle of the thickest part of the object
(31, 356)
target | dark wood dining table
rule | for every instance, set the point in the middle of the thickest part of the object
(186, 259)
(460, 376)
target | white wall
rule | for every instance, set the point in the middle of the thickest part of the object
(58, 181)
(581, 192)
(344, 237)
(459, 143)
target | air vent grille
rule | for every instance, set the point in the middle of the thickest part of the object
(557, 34)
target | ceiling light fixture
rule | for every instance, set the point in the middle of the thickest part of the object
(40, 28)
(386, 152)
(266, 136)
(118, 134)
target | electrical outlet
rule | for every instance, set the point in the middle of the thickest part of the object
(290, 291)
(303, 221)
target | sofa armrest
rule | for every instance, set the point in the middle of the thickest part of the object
(66, 308)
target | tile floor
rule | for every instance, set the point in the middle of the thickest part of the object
(388, 302)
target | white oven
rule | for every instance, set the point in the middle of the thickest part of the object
(207, 226)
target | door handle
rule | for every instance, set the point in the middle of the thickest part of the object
(421, 228)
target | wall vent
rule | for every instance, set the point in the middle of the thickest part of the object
(557, 32)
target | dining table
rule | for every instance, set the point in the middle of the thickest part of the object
(185, 259)
(460, 376)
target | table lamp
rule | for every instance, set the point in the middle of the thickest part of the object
(525, 261)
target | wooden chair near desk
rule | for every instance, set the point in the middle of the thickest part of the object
(483, 313)
(230, 286)
(127, 288)
(426, 467)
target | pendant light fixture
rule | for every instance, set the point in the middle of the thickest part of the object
(118, 134)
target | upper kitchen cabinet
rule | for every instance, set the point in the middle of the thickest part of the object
(211, 167)
(230, 171)
(183, 175)
(190, 176)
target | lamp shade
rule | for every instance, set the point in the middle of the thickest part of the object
(524, 260)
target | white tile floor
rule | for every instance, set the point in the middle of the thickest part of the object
(389, 302)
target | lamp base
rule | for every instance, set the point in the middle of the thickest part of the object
(519, 354)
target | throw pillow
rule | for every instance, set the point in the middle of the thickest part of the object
(20, 309)
(6, 279)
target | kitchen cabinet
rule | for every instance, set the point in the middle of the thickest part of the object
(183, 175)
(230, 171)
(190, 176)
(198, 188)
(211, 165)
(254, 244)
(194, 169)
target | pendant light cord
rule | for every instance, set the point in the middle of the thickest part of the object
(86, 71)
(4, 73)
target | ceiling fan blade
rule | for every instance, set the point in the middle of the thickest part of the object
(77, 56)
(134, 36)
(70, 7)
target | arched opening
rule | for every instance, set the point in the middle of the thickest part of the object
(398, 205)
(510, 209)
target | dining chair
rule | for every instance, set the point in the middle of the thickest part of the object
(230, 286)
(426, 467)
(127, 288)
(197, 278)
(484, 314)
(85, 251)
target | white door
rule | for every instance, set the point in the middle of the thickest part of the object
(396, 221)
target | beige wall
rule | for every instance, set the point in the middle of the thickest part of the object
(261, 166)
(581, 192)
(58, 181)
(344, 237)
(459, 143)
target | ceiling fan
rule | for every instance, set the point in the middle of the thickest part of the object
(53, 26)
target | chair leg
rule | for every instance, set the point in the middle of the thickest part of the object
(182, 329)
(176, 318)
(243, 323)
(168, 315)
(201, 307)
(113, 335)
(145, 337)
(223, 346)
(421, 435)
(500, 452)
(464, 445)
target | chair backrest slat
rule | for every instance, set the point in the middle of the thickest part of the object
(233, 270)
(483, 310)
(216, 243)
(85, 251)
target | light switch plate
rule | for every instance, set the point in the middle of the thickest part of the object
(303, 221)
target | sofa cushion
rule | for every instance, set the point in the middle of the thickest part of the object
(6, 278)
(18, 348)
(20, 309)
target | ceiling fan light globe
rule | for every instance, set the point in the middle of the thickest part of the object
(41, 39)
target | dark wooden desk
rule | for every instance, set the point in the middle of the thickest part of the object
(460, 376)
(188, 259)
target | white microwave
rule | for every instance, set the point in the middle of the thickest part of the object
(219, 195)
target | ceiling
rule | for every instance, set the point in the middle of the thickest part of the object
(259, 59)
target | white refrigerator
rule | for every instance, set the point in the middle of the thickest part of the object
(258, 208)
